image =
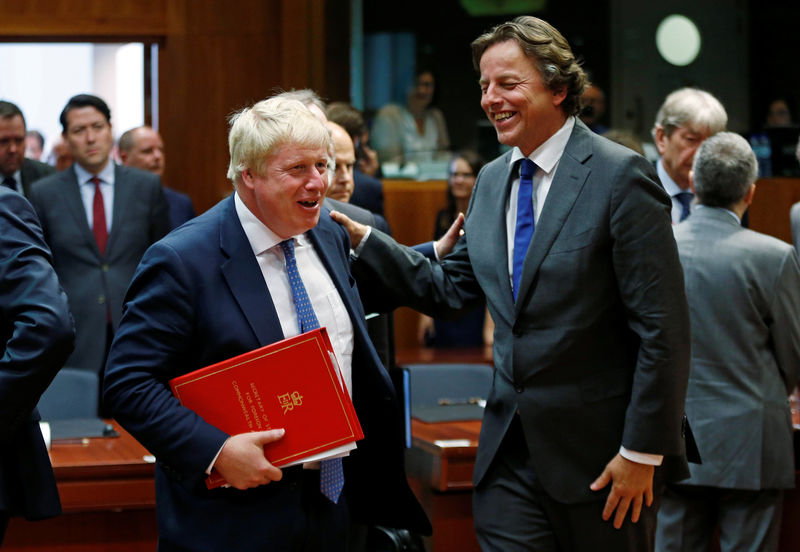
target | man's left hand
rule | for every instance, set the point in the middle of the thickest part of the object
(631, 486)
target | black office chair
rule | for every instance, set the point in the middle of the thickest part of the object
(447, 392)
(72, 394)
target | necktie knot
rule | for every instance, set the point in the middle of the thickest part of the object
(9, 182)
(526, 168)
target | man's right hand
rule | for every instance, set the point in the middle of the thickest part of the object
(446, 243)
(356, 230)
(242, 462)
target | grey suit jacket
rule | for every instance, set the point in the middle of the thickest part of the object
(31, 171)
(95, 283)
(744, 296)
(794, 216)
(594, 353)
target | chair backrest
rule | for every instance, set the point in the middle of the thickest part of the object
(429, 383)
(73, 393)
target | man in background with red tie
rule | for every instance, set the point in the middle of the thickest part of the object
(98, 219)
(236, 278)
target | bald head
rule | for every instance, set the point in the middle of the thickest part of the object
(341, 187)
(142, 148)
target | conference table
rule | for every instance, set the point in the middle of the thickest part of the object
(107, 495)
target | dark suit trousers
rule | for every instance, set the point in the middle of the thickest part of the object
(513, 512)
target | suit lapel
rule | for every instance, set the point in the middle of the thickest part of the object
(73, 203)
(123, 195)
(497, 232)
(571, 175)
(245, 281)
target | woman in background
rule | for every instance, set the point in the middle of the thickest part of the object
(476, 328)
(412, 132)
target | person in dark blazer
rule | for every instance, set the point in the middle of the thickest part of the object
(794, 213)
(744, 292)
(143, 148)
(97, 233)
(17, 172)
(36, 336)
(217, 287)
(584, 420)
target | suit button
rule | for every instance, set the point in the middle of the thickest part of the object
(105, 268)
(516, 332)
(101, 299)
(519, 389)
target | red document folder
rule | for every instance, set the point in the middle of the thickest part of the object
(293, 384)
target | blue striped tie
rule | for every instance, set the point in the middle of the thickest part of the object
(331, 475)
(523, 231)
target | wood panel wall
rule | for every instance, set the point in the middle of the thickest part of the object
(215, 56)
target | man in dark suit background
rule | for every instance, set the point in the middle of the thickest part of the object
(17, 171)
(36, 336)
(744, 291)
(367, 190)
(584, 419)
(143, 148)
(218, 287)
(98, 219)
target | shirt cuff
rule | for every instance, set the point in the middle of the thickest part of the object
(641, 457)
(214, 461)
(357, 251)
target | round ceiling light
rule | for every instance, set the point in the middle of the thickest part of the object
(678, 40)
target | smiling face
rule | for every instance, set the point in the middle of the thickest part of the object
(677, 151)
(89, 137)
(523, 111)
(287, 198)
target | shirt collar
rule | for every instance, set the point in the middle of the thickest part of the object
(669, 185)
(259, 235)
(547, 155)
(106, 175)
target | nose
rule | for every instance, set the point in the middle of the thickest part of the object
(489, 97)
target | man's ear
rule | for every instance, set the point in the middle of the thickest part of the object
(748, 197)
(661, 139)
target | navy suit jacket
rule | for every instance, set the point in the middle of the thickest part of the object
(36, 336)
(95, 283)
(180, 207)
(198, 297)
(367, 192)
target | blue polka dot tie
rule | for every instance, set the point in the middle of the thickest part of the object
(331, 475)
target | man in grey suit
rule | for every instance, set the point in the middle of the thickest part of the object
(17, 171)
(584, 418)
(98, 219)
(744, 292)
